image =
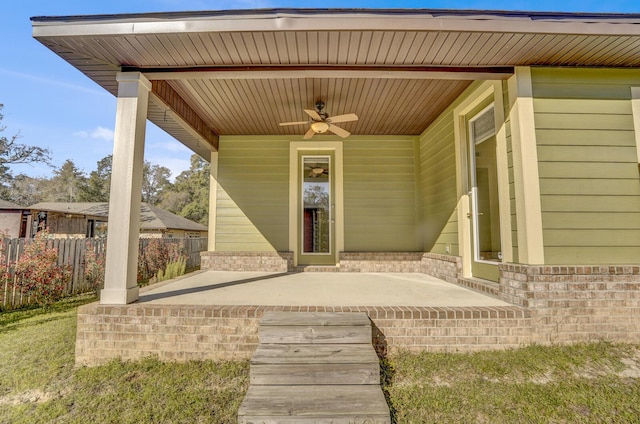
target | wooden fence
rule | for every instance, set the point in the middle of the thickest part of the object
(72, 253)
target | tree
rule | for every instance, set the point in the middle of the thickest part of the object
(12, 152)
(99, 182)
(68, 184)
(193, 182)
(155, 179)
(26, 191)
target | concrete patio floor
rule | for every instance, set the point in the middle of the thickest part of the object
(313, 288)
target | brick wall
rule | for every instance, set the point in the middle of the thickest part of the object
(576, 303)
(247, 261)
(170, 332)
(180, 333)
(381, 261)
(444, 267)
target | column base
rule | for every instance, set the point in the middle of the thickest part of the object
(119, 296)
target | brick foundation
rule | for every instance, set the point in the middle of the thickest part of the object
(180, 333)
(576, 303)
(552, 304)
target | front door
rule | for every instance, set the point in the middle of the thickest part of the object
(484, 207)
(316, 209)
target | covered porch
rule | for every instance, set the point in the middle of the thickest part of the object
(469, 146)
(314, 290)
(215, 315)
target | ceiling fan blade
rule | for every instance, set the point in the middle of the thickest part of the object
(344, 118)
(309, 134)
(339, 131)
(315, 115)
(283, 124)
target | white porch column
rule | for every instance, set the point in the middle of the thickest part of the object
(213, 201)
(120, 285)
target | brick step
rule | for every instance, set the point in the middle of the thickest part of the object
(299, 364)
(316, 268)
(336, 404)
(487, 287)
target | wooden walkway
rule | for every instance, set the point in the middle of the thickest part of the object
(314, 367)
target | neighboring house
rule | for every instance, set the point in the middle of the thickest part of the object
(79, 220)
(489, 146)
(15, 220)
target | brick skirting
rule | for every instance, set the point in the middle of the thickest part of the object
(180, 333)
(552, 304)
(576, 303)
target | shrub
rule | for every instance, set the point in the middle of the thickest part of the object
(154, 258)
(174, 269)
(38, 273)
(94, 267)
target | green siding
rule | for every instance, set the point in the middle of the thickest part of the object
(589, 181)
(253, 194)
(512, 185)
(380, 206)
(438, 192)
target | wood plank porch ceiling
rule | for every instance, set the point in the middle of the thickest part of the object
(359, 40)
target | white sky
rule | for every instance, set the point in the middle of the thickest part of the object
(53, 105)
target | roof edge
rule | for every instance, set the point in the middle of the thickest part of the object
(269, 12)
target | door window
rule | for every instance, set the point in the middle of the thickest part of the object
(316, 205)
(484, 182)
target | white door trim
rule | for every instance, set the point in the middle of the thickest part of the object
(295, 147)
(488, 89)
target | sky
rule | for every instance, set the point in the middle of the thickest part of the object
(51, 104)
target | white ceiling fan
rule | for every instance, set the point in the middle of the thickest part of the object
(321, 122)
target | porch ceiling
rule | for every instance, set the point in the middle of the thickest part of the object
(242, 72)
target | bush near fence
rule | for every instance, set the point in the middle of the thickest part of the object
(84, 258)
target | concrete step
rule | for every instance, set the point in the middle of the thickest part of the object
(299, 364)
(315, 328)
(339, 404)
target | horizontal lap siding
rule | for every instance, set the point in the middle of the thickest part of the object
(253, 194)
(380, 208)
(512, 190)
(439, 218)
(589, 182)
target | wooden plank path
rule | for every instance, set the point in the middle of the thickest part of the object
(314, 367)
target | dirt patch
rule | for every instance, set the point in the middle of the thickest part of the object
(30, 396)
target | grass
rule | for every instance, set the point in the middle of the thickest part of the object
(584, 383)
(40, 384)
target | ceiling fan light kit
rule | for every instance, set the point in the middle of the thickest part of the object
(319, 127)
(321, 122)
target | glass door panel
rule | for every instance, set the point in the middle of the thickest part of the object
(316, 211)
(485, 209)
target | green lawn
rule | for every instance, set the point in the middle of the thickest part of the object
(586, 383)
(39, 383)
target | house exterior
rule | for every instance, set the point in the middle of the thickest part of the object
(90, 219)
(15, 220)
(494, 149)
